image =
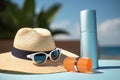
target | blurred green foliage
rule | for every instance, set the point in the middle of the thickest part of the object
(13, 18)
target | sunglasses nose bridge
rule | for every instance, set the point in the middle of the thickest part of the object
(48, 56)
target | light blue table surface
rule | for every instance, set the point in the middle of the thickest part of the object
(108, 70)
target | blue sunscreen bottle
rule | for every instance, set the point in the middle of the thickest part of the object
(88, 36)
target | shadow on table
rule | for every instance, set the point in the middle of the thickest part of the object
(95, 72)
(13, 72)
(23, 73)
(103, 67)
(109, 67)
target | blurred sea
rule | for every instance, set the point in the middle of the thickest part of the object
(110, 52)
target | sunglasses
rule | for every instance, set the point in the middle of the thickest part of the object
(41, 57)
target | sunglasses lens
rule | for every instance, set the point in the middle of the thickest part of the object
(39, 58)
(55, 54)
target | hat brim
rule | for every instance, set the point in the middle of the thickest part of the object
(10, 63)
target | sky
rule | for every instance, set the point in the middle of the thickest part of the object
(68, 18)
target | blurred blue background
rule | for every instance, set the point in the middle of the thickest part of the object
(108, 18)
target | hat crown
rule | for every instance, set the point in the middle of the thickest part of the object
(34, 39)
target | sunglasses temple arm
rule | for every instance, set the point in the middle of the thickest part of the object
(28, 56)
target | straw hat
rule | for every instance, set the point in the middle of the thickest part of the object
(32, 40)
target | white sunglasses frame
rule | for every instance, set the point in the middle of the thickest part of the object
(31, 56)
